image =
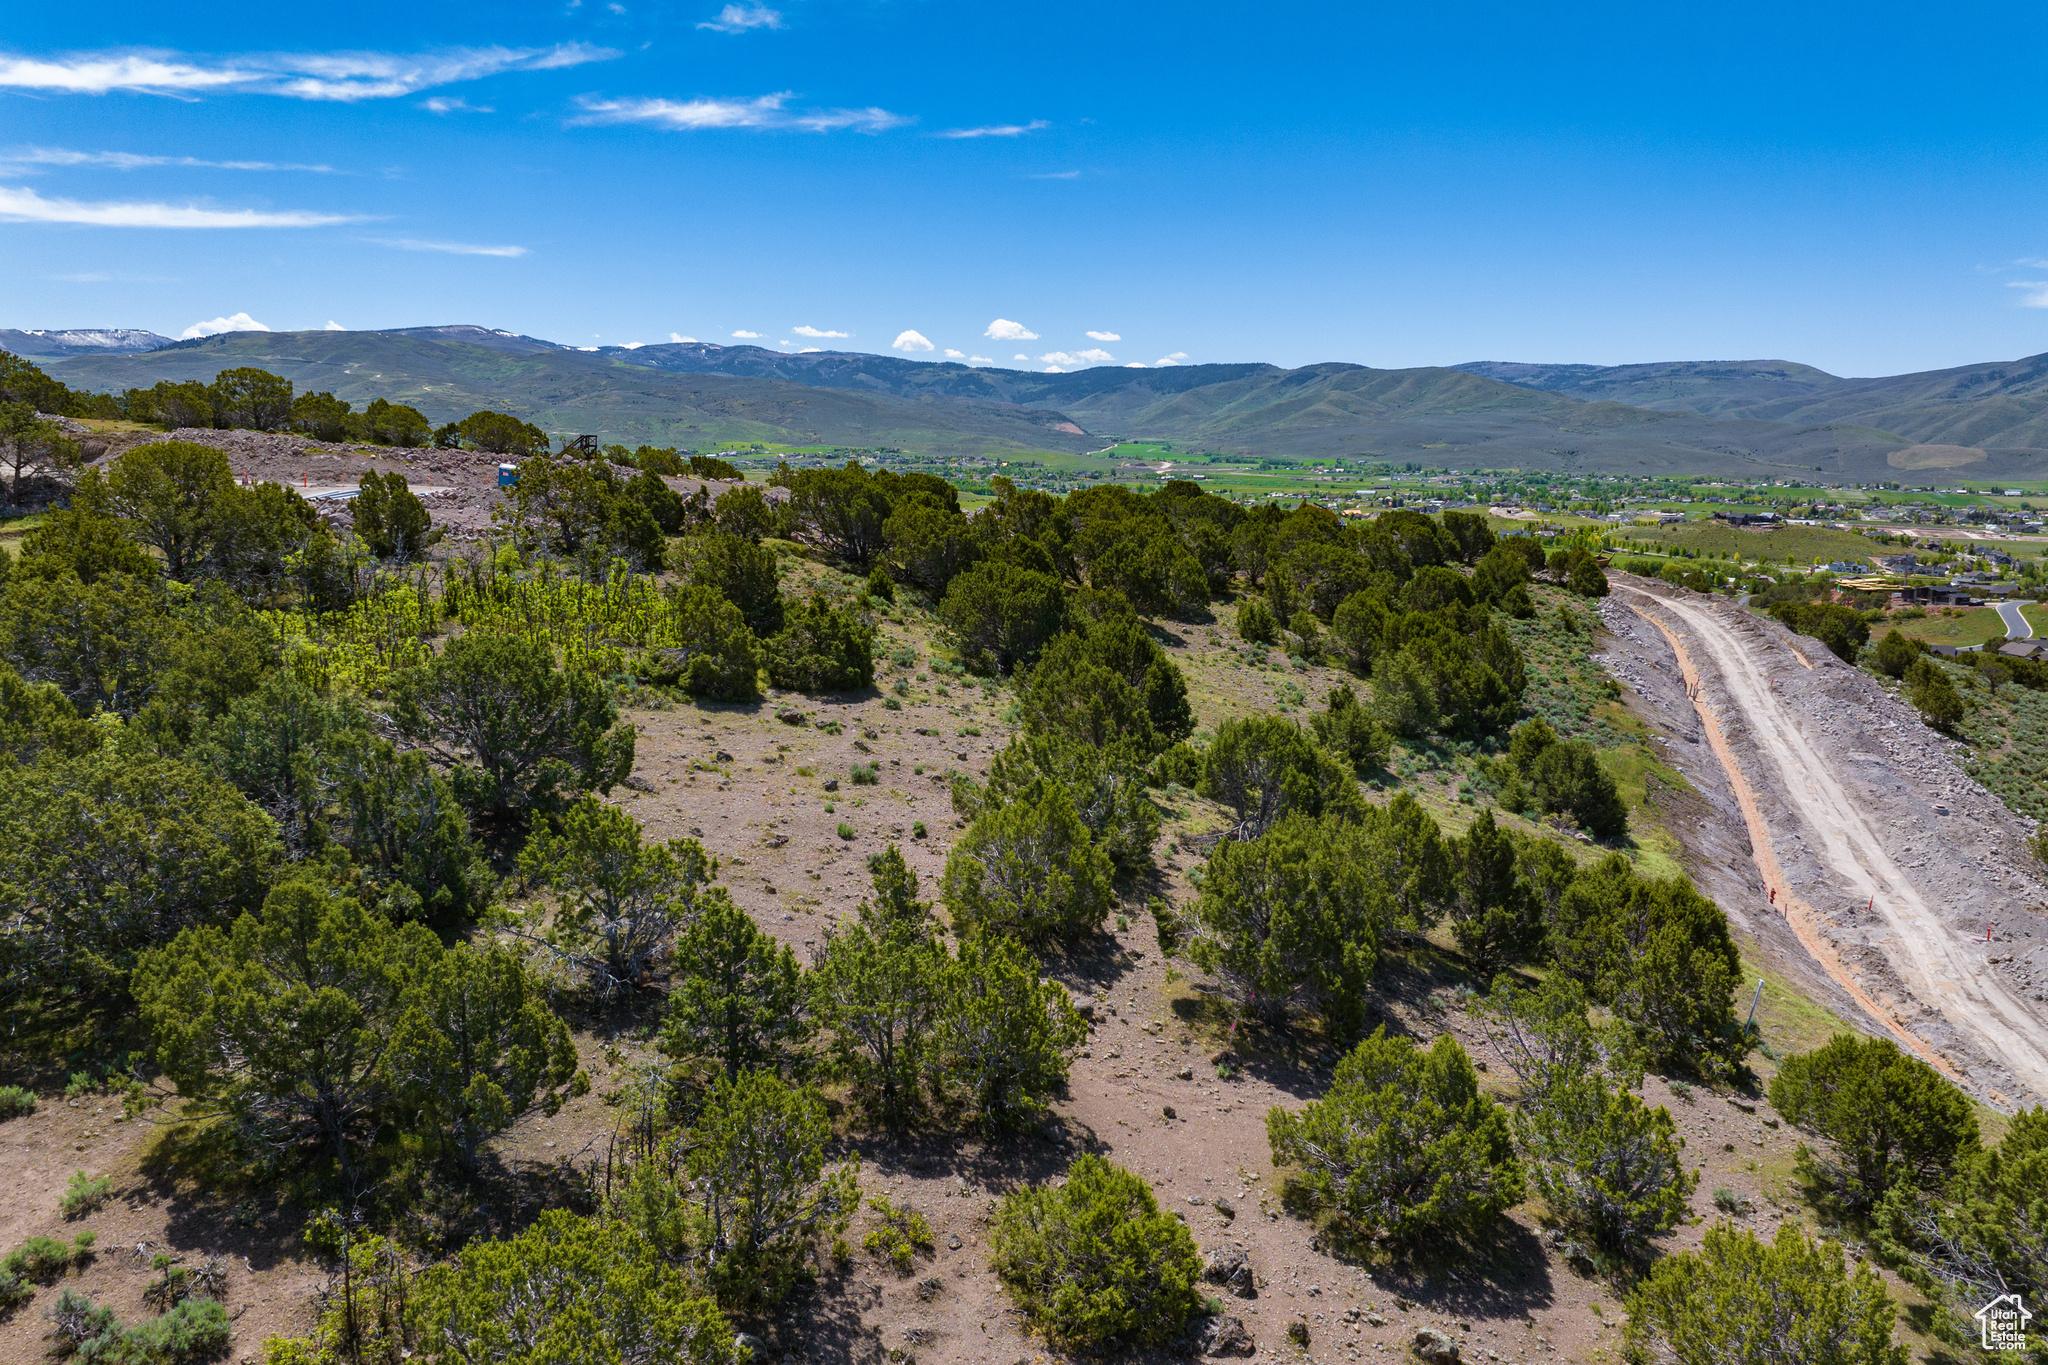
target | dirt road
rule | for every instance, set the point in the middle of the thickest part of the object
(1867, 837)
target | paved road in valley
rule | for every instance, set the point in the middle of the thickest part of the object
(2017, 626)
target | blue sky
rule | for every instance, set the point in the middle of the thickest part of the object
(1859, 188)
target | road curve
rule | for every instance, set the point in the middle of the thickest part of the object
(2017, 626)
(1779, 759)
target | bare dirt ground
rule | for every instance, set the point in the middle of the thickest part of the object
(1868, 843)
(751, 782)
(459, 487)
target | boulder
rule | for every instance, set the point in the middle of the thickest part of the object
(1230, 1267)
(1224, 1336)
(1434, 1348)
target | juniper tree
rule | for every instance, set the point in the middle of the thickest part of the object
(284, 1022)
(517, 730)
(1290, 921)
(477, 1047)
(567, 1289)
(1891, 1119)
(736, 998)
(1005, 1036)
(759, 1181)
(623, 898)
(1403, 1145)
(1494, 918)
(1028, 869)
(1738, 1301)
(1095, 1261)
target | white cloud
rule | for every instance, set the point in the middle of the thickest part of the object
(740, 18)
(2038, 298)
(747, 336)
(809, 331)
(763, 112)
(26, 206)
(980, 360)
(1078, 358)
(952, 354)
(679, 339)
(1054, 369)
(997, 130)
(1020, 356)
(910, 341)
(1104, 336)
(343, 76)
(1095, 355)
(332, 326)
(1176, 358)
(1055, 175)
(1002, 329)
(238, 322)
(811, 350)
(634, 345)
(449, 248)
(1136, 365)
(454, 104)
(131, 161)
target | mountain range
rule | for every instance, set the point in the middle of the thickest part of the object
(1711, 417)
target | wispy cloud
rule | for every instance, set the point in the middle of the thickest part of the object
(980, 360)
(454, 104)
(911, 341)
(1002, 329)
(135, 161)
(1055, 175)
(1079, 358)
(112, 277)
(761, 112)
(448, 248)
(741, 18)
(996, 130)
(2038, 298)
(343, 76)
(26, 206)
(236, 322)
(808, 331)
(1104, 336)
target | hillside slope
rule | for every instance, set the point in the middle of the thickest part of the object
(1708, 387)
(66, 341)
(448, 372)
(1727, 418)
(2000, 407)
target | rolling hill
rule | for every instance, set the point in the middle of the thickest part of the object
(1994, 413)
(449, 372)
(1737, 417)
(69, 341)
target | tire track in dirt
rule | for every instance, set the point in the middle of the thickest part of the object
(1924, 952)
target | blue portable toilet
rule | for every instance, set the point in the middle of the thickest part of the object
(508, 474)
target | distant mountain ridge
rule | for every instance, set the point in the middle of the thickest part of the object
(1714, 417)
(80, 341)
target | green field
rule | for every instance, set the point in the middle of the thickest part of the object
(1971, 627)
(1805, 544)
